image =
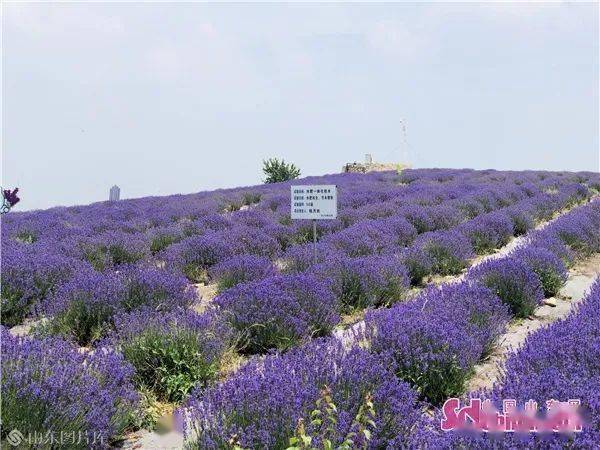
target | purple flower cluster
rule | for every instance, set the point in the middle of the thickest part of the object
(513, 281)
(83, 308)
(112, 248)
(549, 268)
(300, 257)
(438, 338)
(363, 282)
(488, 231)
(535, 372)
(368, 237)
(448, 251)
(279, 312)
(195, 255)
(50, 385)
(30, 274)
(241, 269)
(261, 404)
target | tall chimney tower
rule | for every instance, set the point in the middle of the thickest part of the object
(115, 194)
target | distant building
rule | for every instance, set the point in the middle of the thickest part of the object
(115, 193)
(371, 166)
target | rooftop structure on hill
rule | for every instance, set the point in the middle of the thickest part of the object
(370, 166)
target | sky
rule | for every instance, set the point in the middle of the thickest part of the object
(177, 98)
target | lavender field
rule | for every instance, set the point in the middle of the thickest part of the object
(104, 329)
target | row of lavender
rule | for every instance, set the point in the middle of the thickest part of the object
(415, 352)
(276, 311)
(560, 362)
(377, 217)
(132, 305)
(369, 263)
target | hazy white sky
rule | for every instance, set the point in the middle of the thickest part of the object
(177, 98)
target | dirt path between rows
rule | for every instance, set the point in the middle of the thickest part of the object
(347, 334)
(580, 278)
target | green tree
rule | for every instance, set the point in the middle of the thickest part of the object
(277, 170)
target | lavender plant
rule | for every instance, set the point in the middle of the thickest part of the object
(436, 339)
(448, 251)
(488, 232)
(171, 353)
(261, 405)
(29, 276)
(83, 309)
(362, 282)
(514, 282)
(279, 312)
(49, 385)
(534, 372)
(549, 268)
(241, 269)
(418, 264)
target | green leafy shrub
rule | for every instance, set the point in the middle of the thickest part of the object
(173, 353)
(278, 170)
(251, 198)
(325, 425)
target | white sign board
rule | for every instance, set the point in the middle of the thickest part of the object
(314, 201)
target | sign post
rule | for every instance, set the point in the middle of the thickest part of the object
(314, 202)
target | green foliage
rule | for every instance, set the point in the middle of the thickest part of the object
(231, 205)
(278, 170)
(169, 363)
(161, 242)
(103, 256)
(14, 309)
(195, 273)
(27, 237)
(551, 280)
(83, 321)
(324, 420)
(250, 198)
(444, 378)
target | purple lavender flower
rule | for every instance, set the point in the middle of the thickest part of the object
(488, 231)
(279, 312)
(579, 230)
(195, 255)
(241, 269)
(417, 263)
(549, 268)
(50, 385)
(448, 251)
(111, 248)
(522, 219)
(513, 281)
(368, 237)
(11, 196)
(437, 339)
(260, 405)
(300, 257)
(534, 372)
(362, 282)
(30, 274)
(83, 308)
